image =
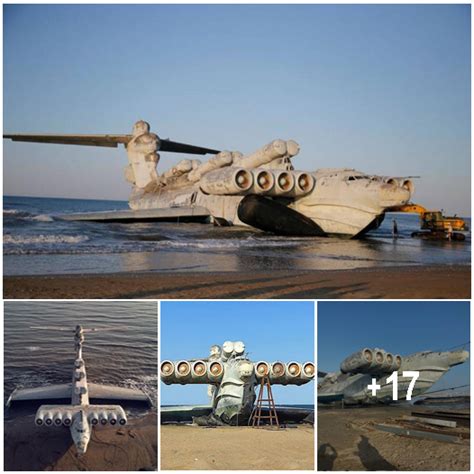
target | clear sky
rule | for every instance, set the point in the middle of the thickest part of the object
(270, 330)
(384, 89)
(398, 327)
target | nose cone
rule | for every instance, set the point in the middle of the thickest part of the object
(392, 195)
(458, 357)
(81, 447)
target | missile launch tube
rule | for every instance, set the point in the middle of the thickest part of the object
(275, 149)
(292, 148)
(224, 158)
(229, 180)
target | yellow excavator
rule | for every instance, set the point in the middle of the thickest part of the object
(434, 225)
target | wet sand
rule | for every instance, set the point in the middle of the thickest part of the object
(129, 448)
(430, 282)
(347, 440)
(195, 447)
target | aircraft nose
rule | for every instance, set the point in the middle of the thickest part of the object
(392, 195)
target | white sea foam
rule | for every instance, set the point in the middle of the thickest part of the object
(11, 212)
(42, 218)
(44, 239)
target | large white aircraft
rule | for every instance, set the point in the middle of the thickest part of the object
(261, 189)
(79, 415)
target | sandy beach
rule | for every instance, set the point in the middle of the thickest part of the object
(129, 448)
(196, 447)
(453, 282)
(348, 440)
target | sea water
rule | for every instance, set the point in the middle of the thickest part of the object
(36, 241)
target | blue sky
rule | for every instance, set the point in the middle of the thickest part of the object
(270, 330)
(384, 89)
(398, 327)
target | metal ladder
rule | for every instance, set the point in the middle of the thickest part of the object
(257, 417)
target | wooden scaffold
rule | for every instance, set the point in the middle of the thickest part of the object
(257, 417)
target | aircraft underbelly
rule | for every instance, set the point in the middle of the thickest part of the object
(338, 219)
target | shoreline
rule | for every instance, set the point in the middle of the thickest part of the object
(401, 282)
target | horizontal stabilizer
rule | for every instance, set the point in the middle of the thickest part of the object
(50, 392)
(175, 147)
(112, 141)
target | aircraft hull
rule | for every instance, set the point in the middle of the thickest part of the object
(339, 219)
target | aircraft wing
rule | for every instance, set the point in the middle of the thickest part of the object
(108, 392)
(112, 141)
(49, 392)
(88, 140)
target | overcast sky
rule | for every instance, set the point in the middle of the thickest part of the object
(384, 89)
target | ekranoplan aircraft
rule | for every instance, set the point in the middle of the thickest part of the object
(350, 384)
(79, 415)
(261, 189)
(231, 378)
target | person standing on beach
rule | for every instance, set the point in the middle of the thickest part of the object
(395, 229)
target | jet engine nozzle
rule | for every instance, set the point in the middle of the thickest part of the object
(103, 418)
(112, 418)
(39, 419)
(293, 369)
(304, 182)
(67, 419)
(182, 371)
(58, 419)
(309, 370)
(229, 180)
(199, 369)
(284, 182)
(262, 369)
(264, 181)
(371, 361)
(94, 418)
(48, 418)
(215, 371)
(167, 371)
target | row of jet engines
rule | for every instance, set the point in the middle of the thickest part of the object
(59, 418)
(212, 371)
(371, 361)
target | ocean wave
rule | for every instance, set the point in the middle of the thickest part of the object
(44, 239)
(28, 216)
(47, 244)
